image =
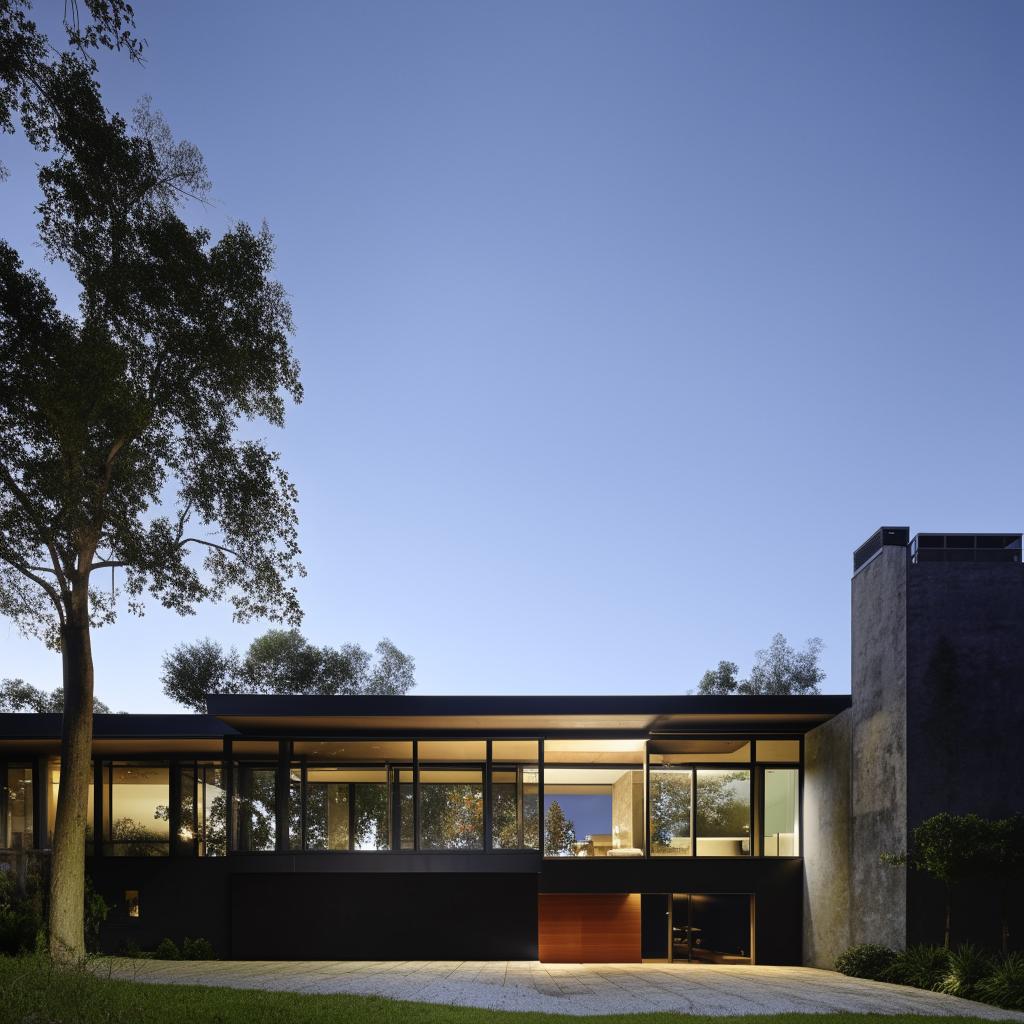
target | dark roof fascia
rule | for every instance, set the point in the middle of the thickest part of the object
(283, 706)
(30, 726)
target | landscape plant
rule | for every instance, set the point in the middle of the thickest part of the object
(968, 965)
(919, 966)
(949, 847)
(1004, 984)
(868, 960)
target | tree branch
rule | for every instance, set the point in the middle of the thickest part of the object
(209, 544)
(22, 499)
(48, 588)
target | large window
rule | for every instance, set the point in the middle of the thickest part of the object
(346, 808)
(671, 809)
(202, 816)
(137, 812)
(593, 798)
(255, 807)
(781, 836)
(451, 809)
(16, 830)
(515, 807)
(722, 812)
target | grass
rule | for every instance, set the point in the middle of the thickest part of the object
(33, 990)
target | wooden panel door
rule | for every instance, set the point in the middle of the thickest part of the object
(588, 928)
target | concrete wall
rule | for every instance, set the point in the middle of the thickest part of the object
(965, 667)
(827, 841)
(878, 791)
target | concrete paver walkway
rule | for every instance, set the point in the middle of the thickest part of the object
(578, 989)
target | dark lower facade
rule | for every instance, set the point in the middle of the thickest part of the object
(281, 908)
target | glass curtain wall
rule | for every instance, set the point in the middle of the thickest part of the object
(515, 795)
(781, 834)
(16, 829)
(700, 798)
(346, 802)
(593, 798)
(136, 813)
(202, 810)
(451, 794)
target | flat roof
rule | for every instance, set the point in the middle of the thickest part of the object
(651, 713)
(263, 715)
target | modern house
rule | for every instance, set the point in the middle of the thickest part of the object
(725, 829)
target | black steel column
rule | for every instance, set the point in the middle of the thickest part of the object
(488, 812)
(284, 756)
(230, 817)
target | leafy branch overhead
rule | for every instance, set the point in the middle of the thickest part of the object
(778, 670)
(118, 426)
(283, 661)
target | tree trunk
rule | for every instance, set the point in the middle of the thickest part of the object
(67, 865)
(949, 914)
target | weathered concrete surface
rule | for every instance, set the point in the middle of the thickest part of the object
(827, 839)
(582, 990)
(965, 698)
(878, 892)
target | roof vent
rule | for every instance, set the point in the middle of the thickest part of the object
(898, 536)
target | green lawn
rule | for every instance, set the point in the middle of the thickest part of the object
(33, 992)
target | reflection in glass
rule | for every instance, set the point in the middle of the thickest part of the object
(514, 807)
(723, 812)
(16, 833)
(593, 812)
(670, 802)
(406, 809)
(255, 796)
(451, 809)
(139, 815)
(781, 812)
(327, 810)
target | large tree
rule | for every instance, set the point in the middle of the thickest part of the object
(121, 447)
(778, 669)
(284, 661)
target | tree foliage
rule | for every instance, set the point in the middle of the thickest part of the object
(559, 833)
(778, 669)
(17, 695)
(949, 847)
(284, 661)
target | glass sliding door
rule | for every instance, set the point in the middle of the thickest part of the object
(712, 928)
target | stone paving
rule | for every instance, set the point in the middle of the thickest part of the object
(579, 989)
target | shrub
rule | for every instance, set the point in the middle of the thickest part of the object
(167, 950)
(967, 966)
(96, 910)
(197, 949)
(867, 961)
(21, 918)
(1004, 985)
(920, 966)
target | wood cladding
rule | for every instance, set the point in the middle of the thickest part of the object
(588, 929)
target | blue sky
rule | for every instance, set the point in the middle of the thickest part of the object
(622, 324)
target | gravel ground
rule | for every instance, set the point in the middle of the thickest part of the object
(579, 989)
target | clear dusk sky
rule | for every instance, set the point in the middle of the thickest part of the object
(622, 324)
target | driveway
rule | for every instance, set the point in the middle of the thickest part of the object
(579, 989)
